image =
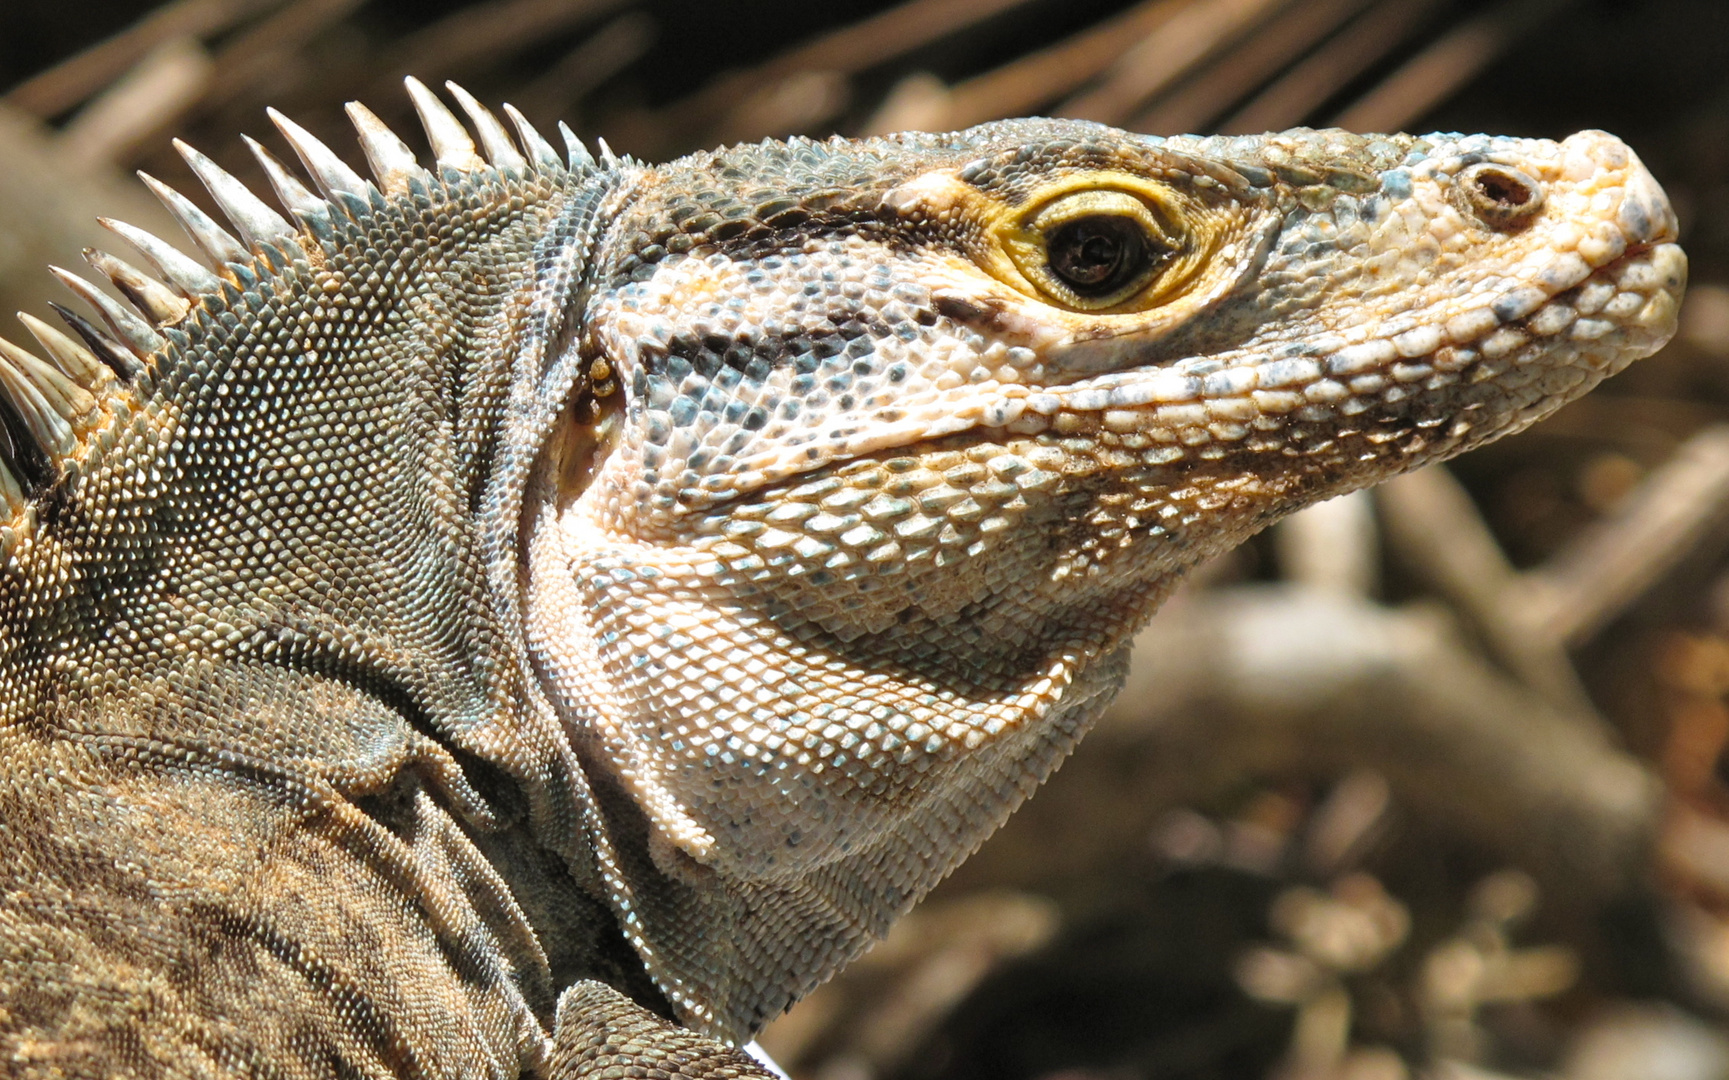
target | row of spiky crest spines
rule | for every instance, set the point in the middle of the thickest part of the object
(49, 408)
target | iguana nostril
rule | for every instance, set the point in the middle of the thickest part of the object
(1500, 197)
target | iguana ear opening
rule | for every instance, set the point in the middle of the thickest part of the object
(585, 435)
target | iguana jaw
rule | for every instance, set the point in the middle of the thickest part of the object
(857, 563)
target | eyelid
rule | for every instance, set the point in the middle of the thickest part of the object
(1079, 204)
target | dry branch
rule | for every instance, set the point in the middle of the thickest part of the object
(1306, 87)
(1332, 545)
(1285, 680)
(1031, 82)
(1434, 525)
(1434, 74)
(48, 208)
(1161, 58)
(152, 96)
(1680, 508)
(482, 34)
(743, 104)
(1194, 104)
(553, 94)
(84, 75)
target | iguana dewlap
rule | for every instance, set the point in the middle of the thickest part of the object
(451, 606)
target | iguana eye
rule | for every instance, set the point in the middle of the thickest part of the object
(1099, 255)
(1093, 249)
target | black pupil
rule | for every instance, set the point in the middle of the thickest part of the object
(1096, 256)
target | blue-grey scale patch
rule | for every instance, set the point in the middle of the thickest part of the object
(1518, 303)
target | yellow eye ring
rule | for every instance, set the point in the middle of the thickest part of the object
(1090, 250)
(1105, 242)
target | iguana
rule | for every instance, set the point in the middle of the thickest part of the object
(541, 614)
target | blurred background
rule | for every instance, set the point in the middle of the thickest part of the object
(1424, 783)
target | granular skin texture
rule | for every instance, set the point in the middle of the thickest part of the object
(538, 616)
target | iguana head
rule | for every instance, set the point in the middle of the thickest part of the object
(890, 446)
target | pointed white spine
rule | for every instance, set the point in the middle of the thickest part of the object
(62, 393)
(49, 421)
(294, 196)
(575, 153)
(179, 269)
(217, 243)
(154, 300)
(500, 151)
(129, 329)
(451, 143)
(538, 149)
(329, 172)
(392, 162)
(257, 222)
(118, 358)
(12, 493)
(79, 363)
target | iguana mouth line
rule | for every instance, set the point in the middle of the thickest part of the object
(1036, 410)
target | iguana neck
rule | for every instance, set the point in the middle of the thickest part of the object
(292, 509)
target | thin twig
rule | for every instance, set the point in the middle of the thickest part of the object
(918, 102)
(1432, 521)
(486, 33)
(883, 37)
(1332, 545)
(1032, 82)
(250, 60)
(1294, 96)
(731, 107)
(598, 58)
(1159, 59)
(1284, 680)
(1531, 619)
(48, 209)
(1434, 74)
(242, 63)
(1680, 507)
(1197, 102)
(150, 96)
(78, 78)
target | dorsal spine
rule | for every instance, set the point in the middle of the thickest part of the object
(52, 405)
